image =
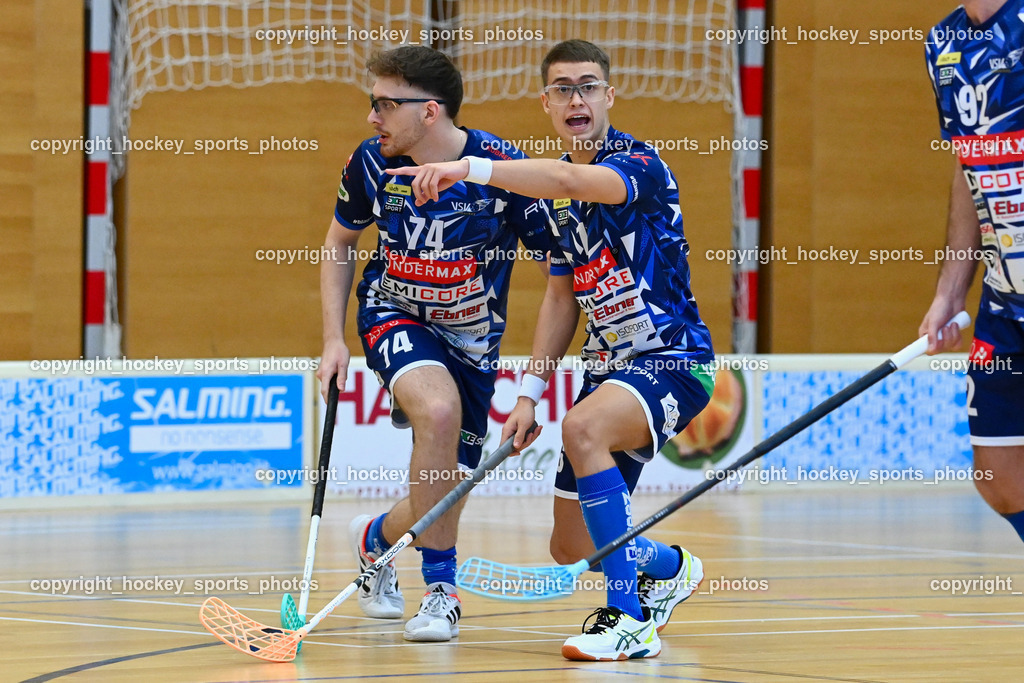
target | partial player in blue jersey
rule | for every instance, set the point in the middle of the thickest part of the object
(975, 63)
(621, 258)
(432, 303)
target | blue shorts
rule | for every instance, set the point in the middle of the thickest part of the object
(399, 344)
(671, 388)
(995, 381)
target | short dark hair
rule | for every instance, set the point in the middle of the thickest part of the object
(574, 52)
(425, 68)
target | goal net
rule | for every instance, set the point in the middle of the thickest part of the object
(664, 49)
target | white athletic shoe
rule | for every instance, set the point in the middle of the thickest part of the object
(379, 597)
(438, 618)
(661, 596)
(614, 636)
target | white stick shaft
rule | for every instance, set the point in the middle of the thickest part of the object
(901, 358)
(403, 542)
(307, 572)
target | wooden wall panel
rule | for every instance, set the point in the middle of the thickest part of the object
(40, 193)
(853, 168)
(195, 287)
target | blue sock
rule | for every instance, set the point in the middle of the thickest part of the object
(604, 500)
(438, 565)
(657, 560)
(375, 541)
(1017, 520)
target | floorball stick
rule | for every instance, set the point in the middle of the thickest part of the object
(274, 644)
(293, 617)
(509, 582)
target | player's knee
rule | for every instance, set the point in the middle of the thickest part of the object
(578, 435)
(435, 414)
(1000, 495)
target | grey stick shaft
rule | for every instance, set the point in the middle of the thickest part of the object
(463, 487)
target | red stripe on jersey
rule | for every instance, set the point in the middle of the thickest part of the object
(429, 270)
(374, 335)
(988, 150)
(586, 277)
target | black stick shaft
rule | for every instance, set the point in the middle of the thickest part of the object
(325, 447)
(769, 444)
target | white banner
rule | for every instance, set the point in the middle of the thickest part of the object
(370, 458)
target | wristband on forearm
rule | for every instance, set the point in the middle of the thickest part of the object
(479, 170)
(532, 387)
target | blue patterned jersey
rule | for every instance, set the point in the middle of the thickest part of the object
(978, 77)
(446, 264)
(628, 262)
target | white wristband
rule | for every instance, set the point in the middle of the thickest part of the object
(532, 387)
(479, 170)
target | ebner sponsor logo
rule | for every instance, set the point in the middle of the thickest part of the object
(615, 308)
(459, 315)
(429, 270)
(1007, 209)
(432, 294)
(586, 277)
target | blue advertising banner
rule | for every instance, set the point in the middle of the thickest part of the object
(911, 427)
(99, 435)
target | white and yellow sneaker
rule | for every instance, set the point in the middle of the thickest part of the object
(661, 596)
(380, 596)
(614, 635)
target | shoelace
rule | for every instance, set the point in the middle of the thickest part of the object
(606, 619)
(437, 603)
(385, 578)
(644, 586)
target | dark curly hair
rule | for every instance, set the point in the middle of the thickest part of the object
(426, 68)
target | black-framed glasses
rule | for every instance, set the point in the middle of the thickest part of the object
(386, 105)
(562, 93)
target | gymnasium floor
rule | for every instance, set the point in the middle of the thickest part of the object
(823, 584)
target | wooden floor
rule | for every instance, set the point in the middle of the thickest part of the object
(840, 586)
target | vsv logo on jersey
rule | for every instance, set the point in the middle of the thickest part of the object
(472, 208)
(1007, 63)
